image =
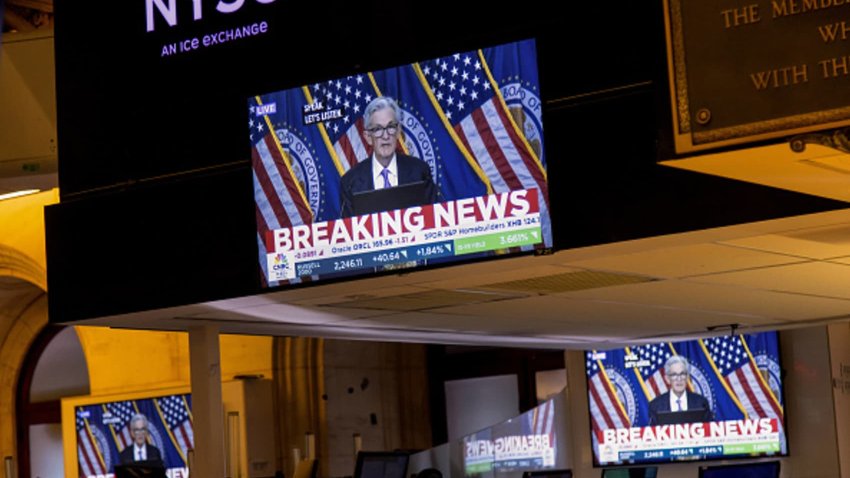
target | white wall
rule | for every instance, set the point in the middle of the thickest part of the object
(61, 370)
(46, 455)
(839, 351)
(477, 403)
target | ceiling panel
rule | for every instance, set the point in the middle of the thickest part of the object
(818, 279)
(685, 261)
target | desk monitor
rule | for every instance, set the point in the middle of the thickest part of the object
(381, 464)
(140, 470)
(389, 199)
(634, 472)
(667, 417)
(548, 474)
(766, 469)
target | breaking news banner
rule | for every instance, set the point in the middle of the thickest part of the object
(447, 229)
(689, 441)
(527, 442)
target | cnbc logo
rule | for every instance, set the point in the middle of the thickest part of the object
(280, 262)
(279, 267)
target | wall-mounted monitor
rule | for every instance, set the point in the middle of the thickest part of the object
(462, 145)
(767, 469)
(104, 435)
(713, 398)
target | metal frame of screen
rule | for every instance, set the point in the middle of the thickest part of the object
(735, 398)
(473, 118)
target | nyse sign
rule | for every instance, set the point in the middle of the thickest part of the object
(167, 10)
(750, 70)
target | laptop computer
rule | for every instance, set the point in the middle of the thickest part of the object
(388, 199)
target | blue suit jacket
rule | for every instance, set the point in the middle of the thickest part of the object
(696, 401)
(359, 179)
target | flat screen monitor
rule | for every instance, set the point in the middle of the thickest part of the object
(548, 474)
(633, 472)
(712, 398)
(103, 432)
(140, 470)
(463, 145)
(768, 469)
(400, 197)
(381, 464)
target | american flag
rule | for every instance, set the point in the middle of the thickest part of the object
(178, 419)
(736, 367)
(123, 411)
(90, 456)
(652, 376)
(347, 135)
(606, 410)
(470, 101)
(542, 419)
(279, 197)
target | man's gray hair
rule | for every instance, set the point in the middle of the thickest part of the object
(139, 417)
(378, 104)
(674, 359)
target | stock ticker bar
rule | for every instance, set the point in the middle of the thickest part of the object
(375, 241)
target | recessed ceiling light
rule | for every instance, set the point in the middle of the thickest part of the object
(18, 193)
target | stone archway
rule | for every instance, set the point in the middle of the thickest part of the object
(23, 314)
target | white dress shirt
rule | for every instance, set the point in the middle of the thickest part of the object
(378, 179)
(678, 405)
(139, 452)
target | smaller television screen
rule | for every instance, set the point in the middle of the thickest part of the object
(527, 443)
(767, 469)
(634, 472)
(139, 437)
(381, 464)
(713, 398)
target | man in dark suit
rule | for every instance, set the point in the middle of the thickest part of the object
(678, 398)
(140, 450)
(385, 168)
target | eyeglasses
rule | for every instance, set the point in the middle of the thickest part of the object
(139, 430)
(680, 375)
(378, 131)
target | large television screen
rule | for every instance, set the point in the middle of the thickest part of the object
(432, 161)
(104, 435)
(712, 398)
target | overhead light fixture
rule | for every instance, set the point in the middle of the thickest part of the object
(15, 194)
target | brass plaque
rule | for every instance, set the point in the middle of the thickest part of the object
(748, 70)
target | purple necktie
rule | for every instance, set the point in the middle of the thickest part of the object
(679, 404)
(385, 173)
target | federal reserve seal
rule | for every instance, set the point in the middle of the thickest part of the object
(305, 167)
(624, 392)
(526, 108)
(418, 141)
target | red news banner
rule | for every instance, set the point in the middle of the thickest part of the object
(690, 439)
(447, 229)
